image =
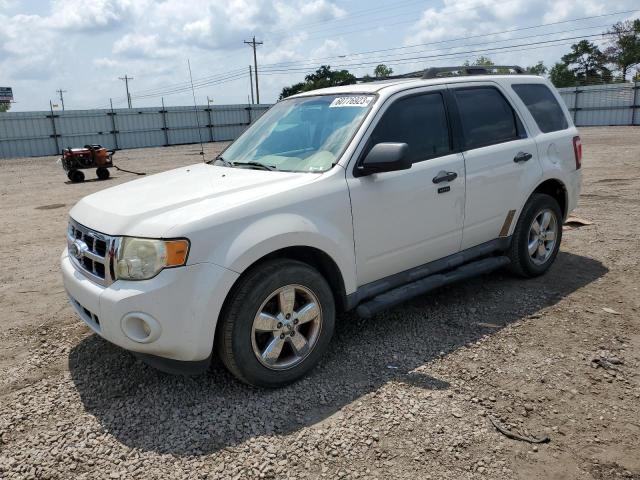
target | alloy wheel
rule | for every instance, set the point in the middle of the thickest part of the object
(287, 327)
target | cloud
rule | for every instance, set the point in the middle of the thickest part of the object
(140, 46)
(82, 15)
(559, 11)
(456, 18)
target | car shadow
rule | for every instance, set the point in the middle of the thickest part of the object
(142, 407)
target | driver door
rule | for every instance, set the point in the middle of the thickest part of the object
(404, 219)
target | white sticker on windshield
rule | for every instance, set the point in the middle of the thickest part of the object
(351, 101)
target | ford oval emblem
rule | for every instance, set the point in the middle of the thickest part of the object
(77, 249)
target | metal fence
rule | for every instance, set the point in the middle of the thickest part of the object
(612, 104)
(32, 134)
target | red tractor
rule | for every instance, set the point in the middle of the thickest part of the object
(91, 156)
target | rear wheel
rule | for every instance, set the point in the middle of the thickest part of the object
(536, 239)
(102, 173)
(76, 176)
(277, 323)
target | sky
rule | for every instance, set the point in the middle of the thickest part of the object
(84, 46)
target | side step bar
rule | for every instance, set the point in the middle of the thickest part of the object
(398, 295)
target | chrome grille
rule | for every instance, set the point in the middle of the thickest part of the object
(92, 253)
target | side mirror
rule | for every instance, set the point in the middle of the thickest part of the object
(385, 157)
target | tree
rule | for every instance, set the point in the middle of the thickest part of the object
(587, 62)
(382, 71)
(292, 90)
(561, 76)
(624, 51)
(537, 69)
(483, 61)
(5, 106)
(323, 77)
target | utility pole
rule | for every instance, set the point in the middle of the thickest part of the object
(254, 44)
(60, 91)
(251, 84)
(126, 86)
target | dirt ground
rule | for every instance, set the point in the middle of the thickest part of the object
(408, 394)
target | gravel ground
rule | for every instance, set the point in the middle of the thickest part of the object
(408, 394)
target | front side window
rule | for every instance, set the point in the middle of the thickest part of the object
(542, 104)
(420, 121)
(487, 118)
(305, 134)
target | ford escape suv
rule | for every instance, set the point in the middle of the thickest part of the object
(351, 197)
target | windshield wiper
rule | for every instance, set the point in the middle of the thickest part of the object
(256, 164)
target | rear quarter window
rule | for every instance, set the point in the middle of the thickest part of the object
(542, 104)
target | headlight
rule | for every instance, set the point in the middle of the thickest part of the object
(144, 258)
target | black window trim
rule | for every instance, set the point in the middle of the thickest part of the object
(444, 93)
(520, 125)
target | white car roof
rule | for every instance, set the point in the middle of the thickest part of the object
(388, 87)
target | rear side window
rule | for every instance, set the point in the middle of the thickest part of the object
(420, 121)
(487, 118)
(543, 106)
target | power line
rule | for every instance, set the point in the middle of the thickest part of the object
(399, 58)
(465, 38)
(295, 69)
(204, 81)
(196, 86)
(266, 67)
(254, 44)
(185, 84)
(426, 57)
(455, 56)
(126, 86)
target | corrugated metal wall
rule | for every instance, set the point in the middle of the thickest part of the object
(613, 104)
(34, 134)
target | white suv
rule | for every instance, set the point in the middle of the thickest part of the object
(358, 196)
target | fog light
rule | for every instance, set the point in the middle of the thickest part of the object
(141, 327)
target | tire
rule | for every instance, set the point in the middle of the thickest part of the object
(242, 335)
(523, 262)
(76, 176)
(102, 173)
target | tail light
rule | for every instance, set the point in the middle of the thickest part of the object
(577, 150)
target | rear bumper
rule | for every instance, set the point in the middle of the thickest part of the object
(172, 316)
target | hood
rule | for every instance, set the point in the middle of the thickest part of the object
(152, 206)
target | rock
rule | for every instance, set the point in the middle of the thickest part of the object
(611, 311)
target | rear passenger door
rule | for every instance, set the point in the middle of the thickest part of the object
(501, 160)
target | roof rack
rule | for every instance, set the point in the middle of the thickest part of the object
(470, 70)
(461, 70)
(417, 74)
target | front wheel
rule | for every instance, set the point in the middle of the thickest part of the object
(277, 323)
(536, 239)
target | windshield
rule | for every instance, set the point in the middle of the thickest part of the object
(305, 134)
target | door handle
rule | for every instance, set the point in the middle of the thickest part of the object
(445, 177)
(522, 157)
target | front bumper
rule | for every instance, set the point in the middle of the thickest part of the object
(172, 315)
